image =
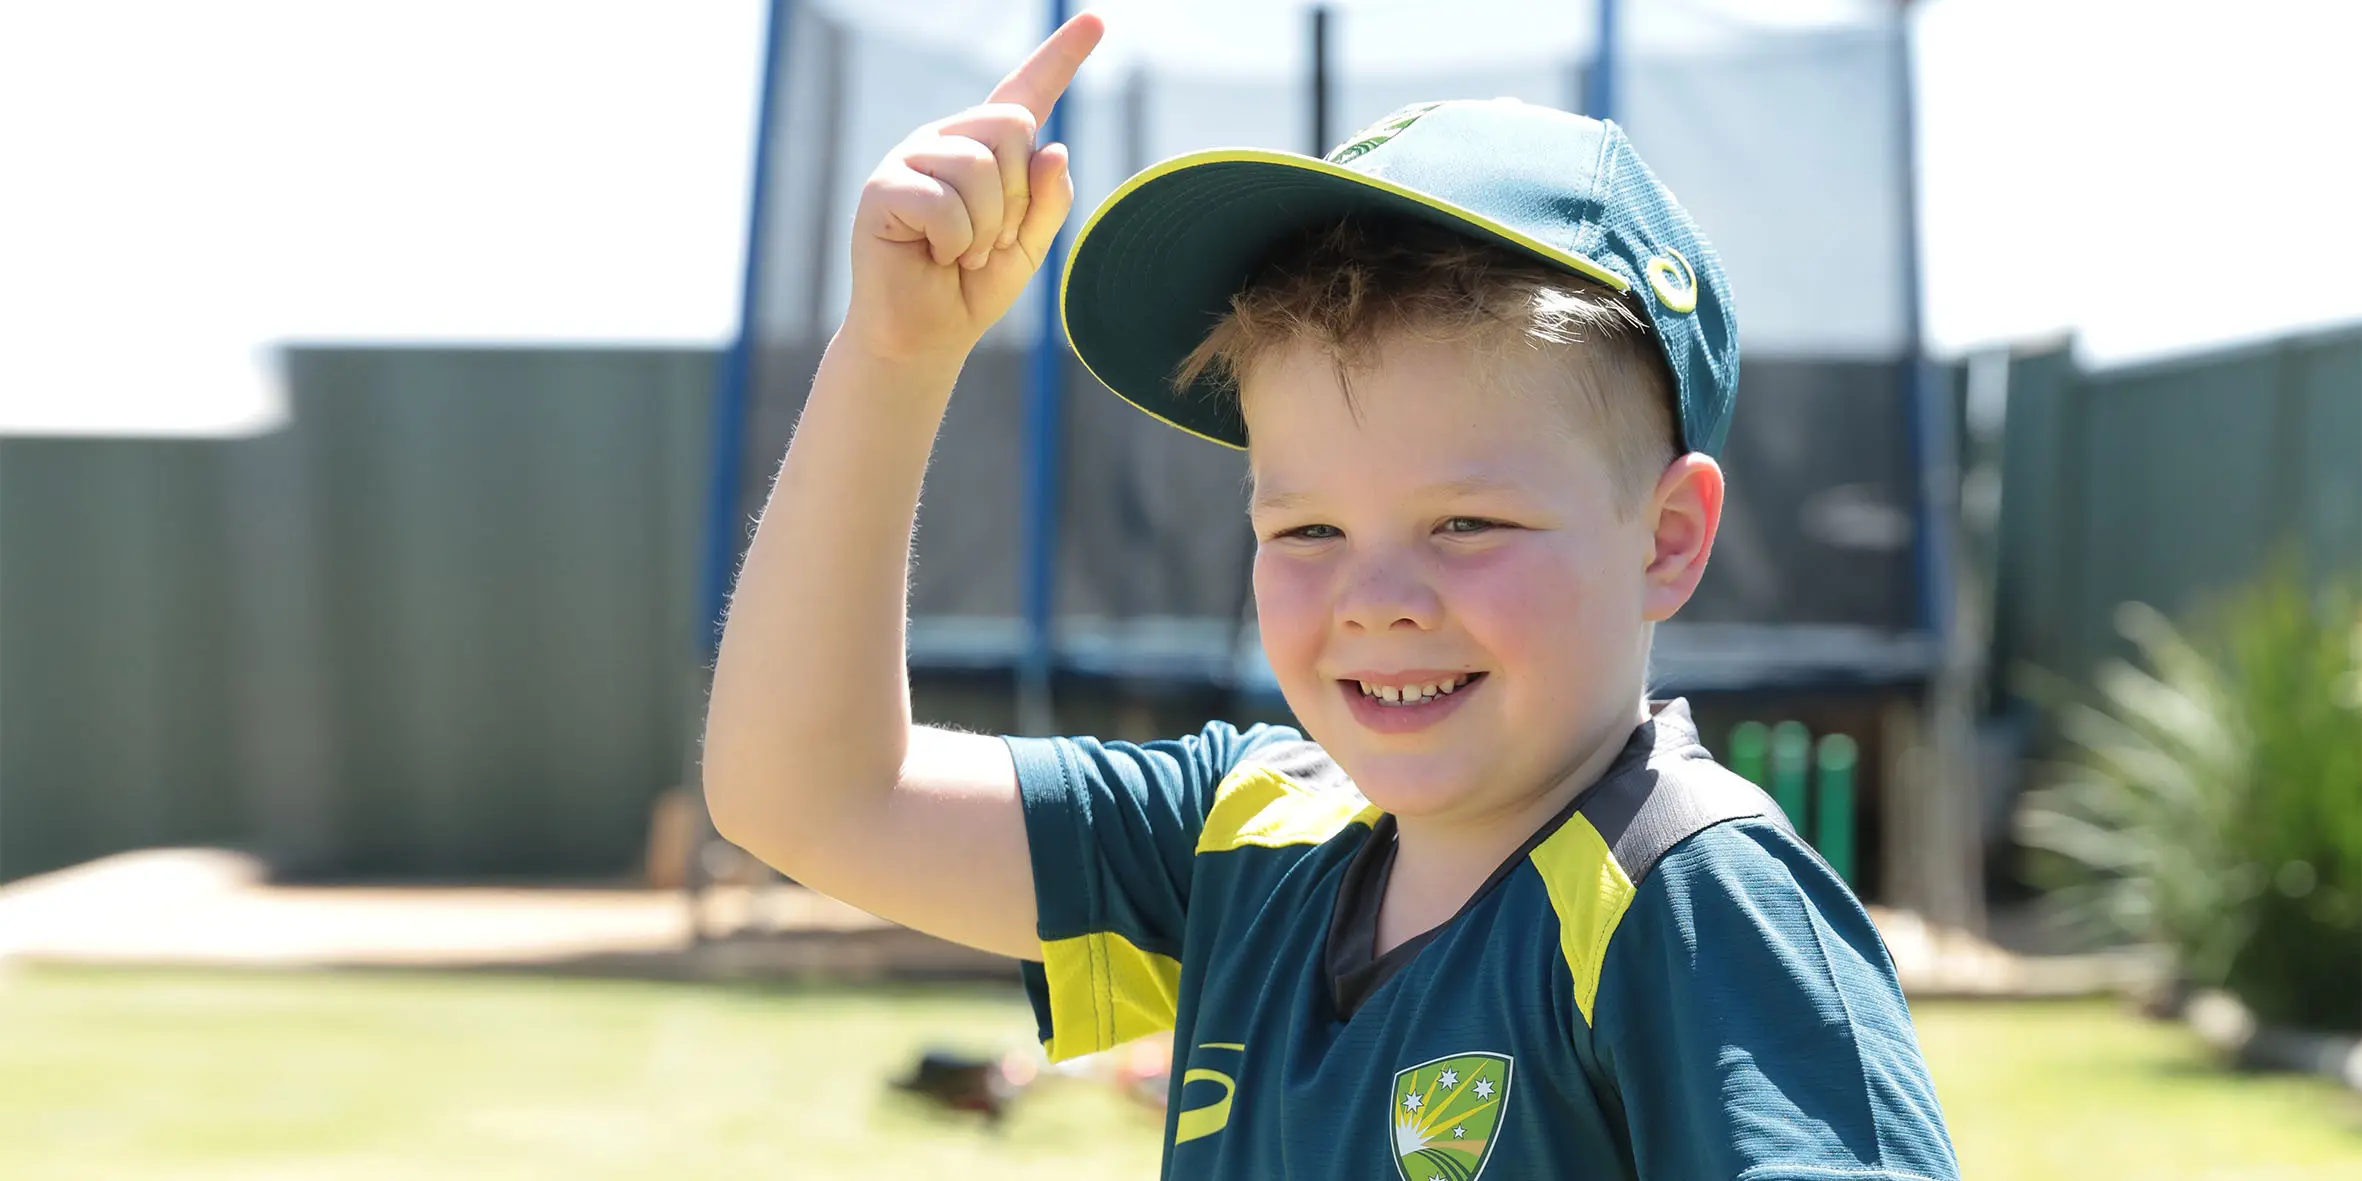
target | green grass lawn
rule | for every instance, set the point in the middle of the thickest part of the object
(129, 1076)
(137, 1075)
(2085, 1089)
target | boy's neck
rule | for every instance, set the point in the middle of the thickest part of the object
(1440, 863)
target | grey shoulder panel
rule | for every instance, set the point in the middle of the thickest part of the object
(1644, 813)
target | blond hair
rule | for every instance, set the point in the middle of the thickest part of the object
(1346, 285)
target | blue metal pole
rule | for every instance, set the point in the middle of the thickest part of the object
(1927, 410)
(1599, 98)
(733, 375)
(1044, 405)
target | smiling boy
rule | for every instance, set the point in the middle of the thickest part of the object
(1491, 910)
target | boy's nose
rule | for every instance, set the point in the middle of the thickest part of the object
(1380, 596)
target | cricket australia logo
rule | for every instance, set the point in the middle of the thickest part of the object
(1378, 133)
(1444, 1115)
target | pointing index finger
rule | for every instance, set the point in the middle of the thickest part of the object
(1037, 84)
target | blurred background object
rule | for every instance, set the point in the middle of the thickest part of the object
(959, 1082)
(385, 392)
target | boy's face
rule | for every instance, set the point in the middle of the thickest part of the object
(1448, 527)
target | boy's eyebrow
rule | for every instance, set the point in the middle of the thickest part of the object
(1277, 502)
(1476, 485)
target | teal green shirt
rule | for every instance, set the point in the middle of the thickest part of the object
(1663, 984)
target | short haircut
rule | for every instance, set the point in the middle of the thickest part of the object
(1348, 284)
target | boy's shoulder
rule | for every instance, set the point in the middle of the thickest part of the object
(1662, 790)
(1662, 804)
(1283, 789)
(1722, 966)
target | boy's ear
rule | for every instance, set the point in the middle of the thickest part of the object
(1683, 514)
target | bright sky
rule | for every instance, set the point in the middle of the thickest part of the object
(189, 185)
(2159, 176)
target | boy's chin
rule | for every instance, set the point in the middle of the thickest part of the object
(1416, 788)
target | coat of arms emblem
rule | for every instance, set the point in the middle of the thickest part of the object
(1444, 1114)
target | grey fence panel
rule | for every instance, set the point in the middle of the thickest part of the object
(2038, 569)
(2171, 484)
(435, 627)
(506, 545)
(2180, 477)
(114, 731)
(2327, 386)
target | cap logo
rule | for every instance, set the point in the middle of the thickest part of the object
(1676, 285)
(1369, 137)
(1673, 282)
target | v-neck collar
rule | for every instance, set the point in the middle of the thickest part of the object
(1355, 969)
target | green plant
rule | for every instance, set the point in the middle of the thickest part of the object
(2212, 800)
(2298, 661)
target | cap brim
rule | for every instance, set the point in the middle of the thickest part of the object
(1154, 267)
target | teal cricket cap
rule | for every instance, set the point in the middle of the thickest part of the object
(1155, 266)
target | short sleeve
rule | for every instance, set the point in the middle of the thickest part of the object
(1750, 1021)
(1113, 829)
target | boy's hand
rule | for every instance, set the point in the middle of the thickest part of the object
(961, 214)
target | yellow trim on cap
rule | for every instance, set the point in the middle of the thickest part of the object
(1104, 992)
(1259, 806)
(1302, 163)
(1590, 892)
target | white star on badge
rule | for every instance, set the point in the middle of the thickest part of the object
(1460, 1133)
(1411, 1102)
(1448, 1079)
(1484, 1088)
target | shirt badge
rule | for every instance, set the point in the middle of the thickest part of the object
(1445, 1113)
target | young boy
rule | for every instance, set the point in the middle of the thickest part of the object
(1502, 913)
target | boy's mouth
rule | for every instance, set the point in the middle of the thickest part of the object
(1403, 702)
(1400, 694)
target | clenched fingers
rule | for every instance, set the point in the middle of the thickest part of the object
(915, 207)
(973, 173)
(1008, 131)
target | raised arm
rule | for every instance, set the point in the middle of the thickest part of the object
(811, 760)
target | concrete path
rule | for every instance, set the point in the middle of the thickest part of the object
(215, 908)
(210, 907)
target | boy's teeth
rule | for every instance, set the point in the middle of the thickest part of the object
(1411, 694)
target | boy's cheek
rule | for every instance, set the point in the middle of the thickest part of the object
(1518, 593)
(1293, 614)
(1289, 609)
(1543, 617)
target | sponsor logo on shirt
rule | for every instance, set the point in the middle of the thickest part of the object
(1207, 1113)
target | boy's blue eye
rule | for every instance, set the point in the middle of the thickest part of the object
(1311, 532)
(1466, 525)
